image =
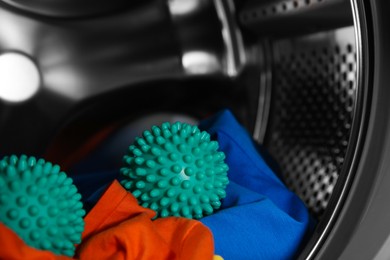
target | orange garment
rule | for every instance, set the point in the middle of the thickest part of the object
(13, 248)
(118, 228)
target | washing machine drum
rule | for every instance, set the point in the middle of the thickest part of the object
(307, 78)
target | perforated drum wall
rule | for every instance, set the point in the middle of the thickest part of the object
(312, 106)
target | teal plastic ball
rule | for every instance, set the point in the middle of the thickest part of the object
(176, 170)
(40, 204)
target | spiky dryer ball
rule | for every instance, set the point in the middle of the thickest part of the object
(40, 204)
(176, 170)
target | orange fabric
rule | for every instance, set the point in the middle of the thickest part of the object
(13, 248)
(121, 229)
(118, 228)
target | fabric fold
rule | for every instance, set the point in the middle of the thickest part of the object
(259, 218)
(118, 228)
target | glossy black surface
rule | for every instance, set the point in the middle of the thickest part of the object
(68, 8)
(82, 60)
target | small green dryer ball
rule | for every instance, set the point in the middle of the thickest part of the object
(176, 170)
(40, 204)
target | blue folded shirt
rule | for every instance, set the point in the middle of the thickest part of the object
(259, 218)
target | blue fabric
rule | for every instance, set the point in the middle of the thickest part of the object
(259, 218)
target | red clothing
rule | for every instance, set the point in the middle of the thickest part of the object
(118, 228)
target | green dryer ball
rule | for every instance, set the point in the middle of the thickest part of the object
(40, 204)
(176, 170)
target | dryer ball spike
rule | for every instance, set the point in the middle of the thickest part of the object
(176, 170)
(38, 202)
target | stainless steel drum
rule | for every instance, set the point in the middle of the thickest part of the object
(307, 77)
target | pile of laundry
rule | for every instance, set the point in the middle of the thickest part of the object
(259, 218)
